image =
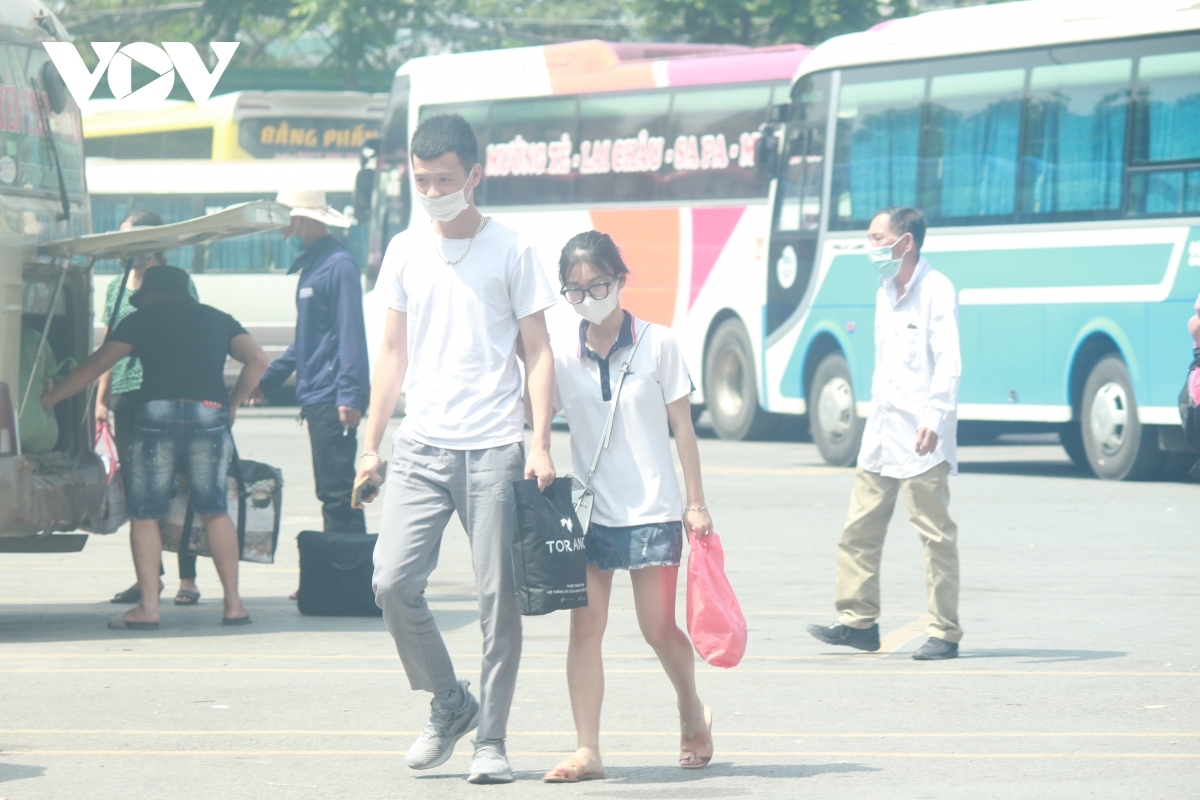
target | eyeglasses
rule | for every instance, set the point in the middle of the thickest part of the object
(597, 291)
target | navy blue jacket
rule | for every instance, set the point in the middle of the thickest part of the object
(329, 353)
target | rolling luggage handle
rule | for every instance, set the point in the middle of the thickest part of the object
(583, 504)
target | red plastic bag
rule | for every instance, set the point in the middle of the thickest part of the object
(714, 617)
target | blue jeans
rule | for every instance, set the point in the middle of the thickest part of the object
(658, 544)
(178, 437)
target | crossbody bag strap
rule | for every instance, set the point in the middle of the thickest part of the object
(612, 409)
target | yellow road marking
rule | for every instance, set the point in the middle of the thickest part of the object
(724, 734)
(608, 753)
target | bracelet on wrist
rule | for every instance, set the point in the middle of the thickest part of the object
(370, 453)
(696, 508)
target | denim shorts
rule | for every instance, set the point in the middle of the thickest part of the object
(659, 544)
(178, 437)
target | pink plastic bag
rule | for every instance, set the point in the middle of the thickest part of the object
(714, 617)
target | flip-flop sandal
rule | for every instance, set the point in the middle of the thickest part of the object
(122, 624)
(689, 756)
(132, 596)
(230, 621)
(575, 769)
(186, 597)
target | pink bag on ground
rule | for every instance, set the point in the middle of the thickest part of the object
(714, 618)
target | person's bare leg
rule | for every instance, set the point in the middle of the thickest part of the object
(654, 599)
(223, 544)
(146, 544)
(585, 669)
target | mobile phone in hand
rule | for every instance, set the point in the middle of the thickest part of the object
(365, 489)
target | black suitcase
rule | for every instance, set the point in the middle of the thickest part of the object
(335, 574)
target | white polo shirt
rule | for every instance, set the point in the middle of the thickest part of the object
(635, 483)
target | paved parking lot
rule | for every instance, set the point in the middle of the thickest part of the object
(1079, 676)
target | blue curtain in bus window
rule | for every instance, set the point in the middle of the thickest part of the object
(1173, 107)
(1077, 117)
(879, 133)
(261, 252)
(973, 145)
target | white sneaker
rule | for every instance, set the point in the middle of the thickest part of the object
(490, 764)
(447, 724)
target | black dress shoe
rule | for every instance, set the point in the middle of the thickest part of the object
(936, 650)
(860, 638)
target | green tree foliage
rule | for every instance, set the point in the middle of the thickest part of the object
(347, 37)
(762, 22)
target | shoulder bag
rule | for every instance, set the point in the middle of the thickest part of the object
(583, 498)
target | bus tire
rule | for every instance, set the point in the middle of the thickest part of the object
(1118, 446)
(1070, 436)
(837, 429)
(731, 385)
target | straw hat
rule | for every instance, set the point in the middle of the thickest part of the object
(311, 203)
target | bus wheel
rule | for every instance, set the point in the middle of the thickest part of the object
(1070, 436)
(832, 413)
(730, 385)
(1118, 446)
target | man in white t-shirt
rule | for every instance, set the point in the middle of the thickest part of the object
(460, 294)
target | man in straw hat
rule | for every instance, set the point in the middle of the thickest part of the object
(328, 355)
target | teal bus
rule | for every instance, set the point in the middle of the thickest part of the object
(1055, 147)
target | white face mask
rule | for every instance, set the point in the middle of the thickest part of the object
(448, 206)
(882, 260)
(596, 311)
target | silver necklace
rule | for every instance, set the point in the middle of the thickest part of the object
(457, 261)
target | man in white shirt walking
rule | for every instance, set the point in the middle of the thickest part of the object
(909, 444)
(461, 292)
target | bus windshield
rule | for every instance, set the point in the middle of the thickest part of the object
(27, 153)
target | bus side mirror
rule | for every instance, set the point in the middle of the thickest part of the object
(364, 188)
(55, 87)
(766, 154)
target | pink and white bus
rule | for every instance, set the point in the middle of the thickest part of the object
(653, 144)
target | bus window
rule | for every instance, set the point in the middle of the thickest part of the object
(1074, 157)
(970, 156)
(878, 139)
(186, 143)
(711, 138)
(1167, 130)
(26, 158)
(804, 153)
(622, 146)
(528, 157)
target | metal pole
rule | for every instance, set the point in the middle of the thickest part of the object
(37, 356)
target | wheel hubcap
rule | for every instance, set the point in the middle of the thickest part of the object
(731, 377)
(835, 408)
(1109, 418)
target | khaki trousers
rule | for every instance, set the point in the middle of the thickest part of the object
(861, 548)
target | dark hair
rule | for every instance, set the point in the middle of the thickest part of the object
(142, 218)
(145, 218)
(595, 248)
(905, 219)
(446, 133)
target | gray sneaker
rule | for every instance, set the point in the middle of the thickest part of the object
(490, 764)
(447, 724)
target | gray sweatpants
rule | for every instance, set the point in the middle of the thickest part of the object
(424, 486)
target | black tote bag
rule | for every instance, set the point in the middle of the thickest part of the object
(335, 574)
(547, 551)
